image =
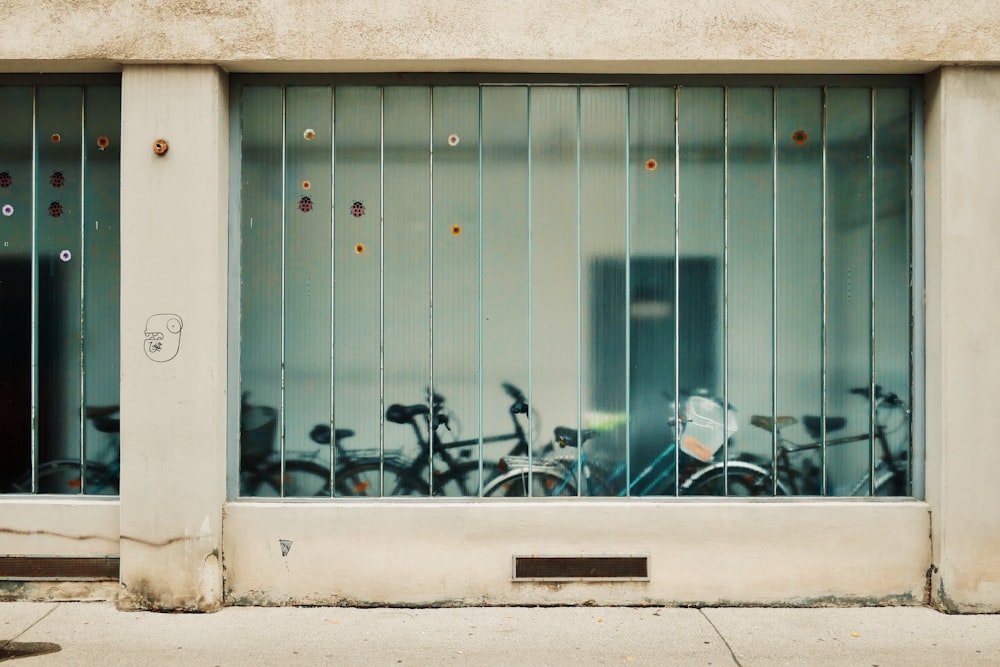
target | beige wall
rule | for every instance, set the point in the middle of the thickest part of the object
(174, 260)
(963, 281)
(508, 35)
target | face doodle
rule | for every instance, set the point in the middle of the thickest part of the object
(163, 336)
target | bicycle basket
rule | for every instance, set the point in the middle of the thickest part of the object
(704, 433)
(257, 428)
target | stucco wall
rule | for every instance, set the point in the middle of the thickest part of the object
(494, 35)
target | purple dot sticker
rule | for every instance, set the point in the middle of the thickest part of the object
(65, 255)
(8, 210)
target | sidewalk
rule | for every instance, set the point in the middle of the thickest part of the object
(79, 633)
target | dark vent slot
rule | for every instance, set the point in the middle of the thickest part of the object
(586, 568)
(59, 568)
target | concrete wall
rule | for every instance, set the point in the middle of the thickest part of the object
(963, 282)
(174, 242)
(495, 35)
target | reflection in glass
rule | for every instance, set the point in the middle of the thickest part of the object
(541, 290)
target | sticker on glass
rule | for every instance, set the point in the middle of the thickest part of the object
(357, 209)
(305, 204)
(5, 179)
(7, 210)
(57, 180)
(55, 209)
(65, 255)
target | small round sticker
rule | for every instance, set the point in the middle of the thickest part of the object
(65, 255)
(8, 210)
(357, 209)
(453, 139)
(5, 180)
(103, 142)
(309, 134)
(359, 249)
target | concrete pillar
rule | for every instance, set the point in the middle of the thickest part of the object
(174, 285)
(963, 327)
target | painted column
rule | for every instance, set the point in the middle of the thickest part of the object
(963, 326)
(173, 326)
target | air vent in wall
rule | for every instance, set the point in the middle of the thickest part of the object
(581, 568)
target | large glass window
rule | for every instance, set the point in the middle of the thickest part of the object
(59, 287)
(597, 290)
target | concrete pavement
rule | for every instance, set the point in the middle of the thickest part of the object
(82, 633)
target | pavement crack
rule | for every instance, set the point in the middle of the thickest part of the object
(730, 648)
(4, 643)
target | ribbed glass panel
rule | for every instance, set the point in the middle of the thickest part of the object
(101, 259)
(701, 240)
(848, 284)
(798, 336)
(456, 238)
(604, 274)
(261, 306)
(407, 260)
(751, 248)
(650, 324)
(58, 200)
(357, 270)
(504, 303)
(16, 179)
(893, 273)
(555, 311)
(307, 288)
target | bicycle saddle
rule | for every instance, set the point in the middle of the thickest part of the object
(404, 414)
(321, 434)
(813, 425)
(569, 437)
(768, 423)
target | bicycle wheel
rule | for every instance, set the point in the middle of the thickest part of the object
(739, 479)
(537, 484)
(63, 477)
(377, 479)
(462, 479)
(302, 479)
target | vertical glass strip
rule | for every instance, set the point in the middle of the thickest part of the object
(16, 205)
(603, 260)
(101, 258)
(456, 238)
(406, 279)
(307, 293)
(357, 277)
(892, 273)
(750, 310)
(700, 289)
(554, 240)
(848, 282)
(260, 293)
(799, 258)
(504, 240)
(651, 279)
(58, 177)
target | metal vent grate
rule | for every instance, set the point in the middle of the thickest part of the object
(59, 568)
(581, 568)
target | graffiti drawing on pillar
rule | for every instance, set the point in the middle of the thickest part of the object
(163, 336)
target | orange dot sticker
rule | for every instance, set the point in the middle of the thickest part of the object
(103, 142)
(309, 134)
(359, 249)
(800, 137)
(456, 230)
(306, 185)
(453, 139)
(56, 138)
(651, 164)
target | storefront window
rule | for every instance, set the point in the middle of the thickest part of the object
(597, 290)
(59, 286)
